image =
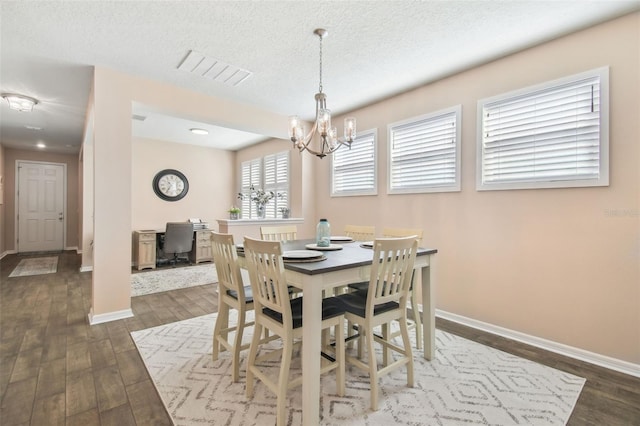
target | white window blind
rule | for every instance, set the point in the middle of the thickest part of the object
(270, 173)
(276, 179)
(251, 172)
(354, 170)
(424, 153)
(549, 136)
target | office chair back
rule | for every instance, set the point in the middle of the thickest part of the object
(178, 238)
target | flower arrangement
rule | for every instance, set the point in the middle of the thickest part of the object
(260, 197)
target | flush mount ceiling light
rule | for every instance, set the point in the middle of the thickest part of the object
(20, 102)
(327, 140)
(199, 131)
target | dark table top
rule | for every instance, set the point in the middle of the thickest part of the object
(352, 255)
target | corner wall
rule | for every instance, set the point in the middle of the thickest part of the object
(558, 264)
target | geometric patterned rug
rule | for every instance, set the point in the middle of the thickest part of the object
(172, 278)
(466, 383)
(36, 266)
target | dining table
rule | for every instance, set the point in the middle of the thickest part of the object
(343, 263)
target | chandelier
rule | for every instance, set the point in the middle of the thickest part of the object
(327, 140)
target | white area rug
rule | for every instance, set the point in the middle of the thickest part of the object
(172, 279)
(467, 383)
(36, 266)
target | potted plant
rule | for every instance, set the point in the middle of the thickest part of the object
(285, 212)
(234, 213)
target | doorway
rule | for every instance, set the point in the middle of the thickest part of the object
(40, 206)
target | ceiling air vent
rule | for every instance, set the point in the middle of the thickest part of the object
(213, 69)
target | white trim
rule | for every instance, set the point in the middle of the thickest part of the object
(7, 253)
(268, 221)
(559, 348)
(603, 180)
(110, 316)
(71, 248)
(88, 268)
(426, 189)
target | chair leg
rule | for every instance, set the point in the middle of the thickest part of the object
(416, 318)
(340, 359)
(373, 369)
(404, 331)
(386, 352)
(251, 359)
(361, 341)
(283, 380)
(237, 343)
(222, 322)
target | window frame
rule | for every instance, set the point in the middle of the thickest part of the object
(555, 182)
(448, 187)
(260, 164)
(372, 191)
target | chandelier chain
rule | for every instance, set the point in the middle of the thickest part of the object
(320, 88)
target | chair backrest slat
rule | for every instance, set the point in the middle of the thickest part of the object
(393, 261)
(266, 271)
(225, 258)
(360, 233)
(402, 232)
(279, 233)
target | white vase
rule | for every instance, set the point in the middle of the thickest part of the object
(261, 211)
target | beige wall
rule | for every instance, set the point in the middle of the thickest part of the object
(209, 172)
(558, 264)
(2, 202)
(71, 160)
(112, 193)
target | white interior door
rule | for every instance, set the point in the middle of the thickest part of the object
(41, 213)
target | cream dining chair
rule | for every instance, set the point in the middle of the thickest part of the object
(232, 294)
(385, 301)
(282, 316)
(360, 233)
(279, 233)
(415, 322)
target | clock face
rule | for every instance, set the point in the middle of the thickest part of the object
(170, 185)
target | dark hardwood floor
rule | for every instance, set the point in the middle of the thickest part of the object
(55, 369)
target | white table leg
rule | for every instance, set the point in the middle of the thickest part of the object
(311, 320)
(428, 311)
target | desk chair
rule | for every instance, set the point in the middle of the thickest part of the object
(178, 239)
(385, 301)
(275, 311)
(279, 233)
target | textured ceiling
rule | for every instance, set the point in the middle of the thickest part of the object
(374, 49)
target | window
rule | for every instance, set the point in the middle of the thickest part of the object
(270, 173)
(424, 153)
(353, 171)
(548, 136)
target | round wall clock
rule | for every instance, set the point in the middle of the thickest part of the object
(170, 185)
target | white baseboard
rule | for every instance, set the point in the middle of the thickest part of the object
(110, 316)
(559, 348)
(71, 248)
(7, 253)
(87, 268)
